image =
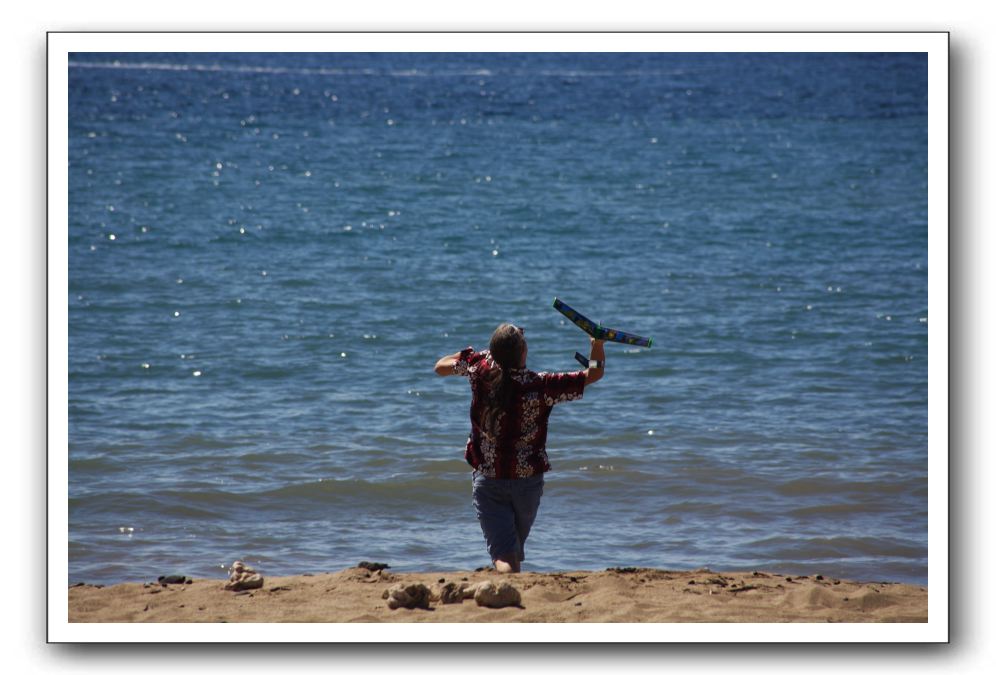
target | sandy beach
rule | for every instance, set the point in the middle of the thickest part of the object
(629, 595)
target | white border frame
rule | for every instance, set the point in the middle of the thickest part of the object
(935, 44)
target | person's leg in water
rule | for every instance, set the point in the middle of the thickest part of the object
(526, 496)
(494, 503)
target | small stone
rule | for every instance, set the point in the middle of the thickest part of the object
(244, 582)
(742, 589)
(452, 593)
(242, 578)
(470, 589)
(172, 579)
(503, 595)
(409, 596)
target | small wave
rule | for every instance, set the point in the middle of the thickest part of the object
(819, 455)
(698, 507)
(796, 548)
(830, 510)
(564, 74)
(150, 507)
(281, 458)
(357, 492)
(814, 486)
(269, 373)
(210, 68)
(97, 465)
(385, 441)
(455, 467)
(203, 442)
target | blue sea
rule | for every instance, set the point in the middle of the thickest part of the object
(269, 252)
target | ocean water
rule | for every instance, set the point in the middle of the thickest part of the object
(268, 253)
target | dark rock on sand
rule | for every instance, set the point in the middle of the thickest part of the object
(410, 596)
(373, 566)
(452, 593)
(172, 579)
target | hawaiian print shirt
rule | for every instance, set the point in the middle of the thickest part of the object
(516, 447)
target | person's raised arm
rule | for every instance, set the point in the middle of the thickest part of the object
(592, 375)
(444, 366)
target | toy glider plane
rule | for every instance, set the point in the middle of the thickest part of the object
(597, 331)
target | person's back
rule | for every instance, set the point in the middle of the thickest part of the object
(509, 412)
(511, 442)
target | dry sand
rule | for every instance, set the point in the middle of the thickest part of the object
(616, 595)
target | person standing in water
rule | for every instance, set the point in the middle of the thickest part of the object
(509, 410)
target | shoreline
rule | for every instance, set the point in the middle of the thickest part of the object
(626, 595)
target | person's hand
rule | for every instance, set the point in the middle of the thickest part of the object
(595, 341)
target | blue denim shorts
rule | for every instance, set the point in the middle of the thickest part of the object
(506, 509)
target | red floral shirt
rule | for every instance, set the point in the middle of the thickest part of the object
(516, 448)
